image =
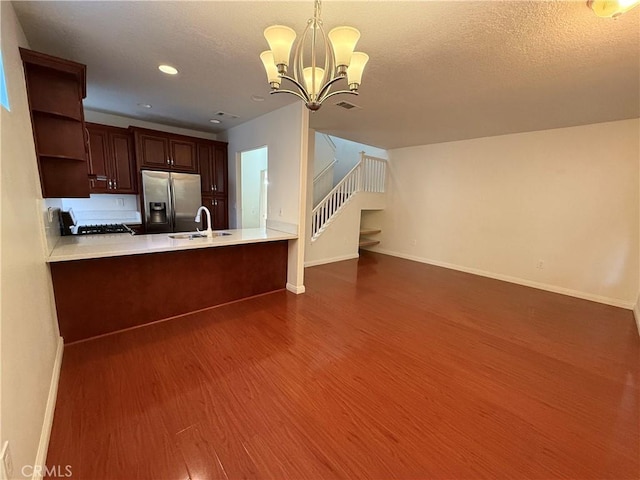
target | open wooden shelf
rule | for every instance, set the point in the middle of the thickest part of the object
(55, 114)
(365, 242)
(61, 157)
(55, 89)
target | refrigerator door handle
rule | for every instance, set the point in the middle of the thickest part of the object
(172, 202)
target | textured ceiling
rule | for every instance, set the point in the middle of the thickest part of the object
(439, 71)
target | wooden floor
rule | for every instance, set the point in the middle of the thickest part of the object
(384, 369)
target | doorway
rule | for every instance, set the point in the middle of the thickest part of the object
(253, 184)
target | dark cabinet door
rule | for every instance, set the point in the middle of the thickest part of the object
(111, 160)
(123, 164)
(206, 172)
(220, 170)
(153, 151)
(219, 213)
(183, 155)
(98, 159)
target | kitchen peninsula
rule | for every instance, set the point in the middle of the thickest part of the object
(107, 283)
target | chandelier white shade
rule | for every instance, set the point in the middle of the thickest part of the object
(280, 40)
(343, 40)
(611, 8)
(270, 67)
(313, 81)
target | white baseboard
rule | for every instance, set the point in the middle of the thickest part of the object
(519, 281)
(636, 314)
(45, 435)
(295, 289)
(323, 261)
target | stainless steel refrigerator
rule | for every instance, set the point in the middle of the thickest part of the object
(171, 201)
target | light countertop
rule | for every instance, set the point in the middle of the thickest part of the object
(83, 247)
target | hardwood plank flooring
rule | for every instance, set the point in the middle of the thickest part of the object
(384, 369)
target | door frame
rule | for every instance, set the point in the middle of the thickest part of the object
(239, 182)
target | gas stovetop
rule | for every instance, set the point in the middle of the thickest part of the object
(102, 229)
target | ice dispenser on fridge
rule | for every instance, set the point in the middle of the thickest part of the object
(157, 213)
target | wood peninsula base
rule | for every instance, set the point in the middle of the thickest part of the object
(105, 295)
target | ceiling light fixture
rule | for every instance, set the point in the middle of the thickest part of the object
(214, 120)
(611, 8)
(168, 69)
(314, 83)
(144, 105)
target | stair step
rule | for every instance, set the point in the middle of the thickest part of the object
(365, 242)
(370, 231)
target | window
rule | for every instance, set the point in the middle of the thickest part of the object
(4, 96)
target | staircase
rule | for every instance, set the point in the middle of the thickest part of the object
(368, 175)
(336, 232)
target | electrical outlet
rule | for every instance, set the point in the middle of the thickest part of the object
(120, 202)
(540, 265)
(6, 464)
(280, 212)
(414, 242)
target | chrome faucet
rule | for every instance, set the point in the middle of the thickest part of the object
(208, 232)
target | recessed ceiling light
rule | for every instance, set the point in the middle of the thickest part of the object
(168, 69)
(257, 98)
(214, 120)
(144, 105)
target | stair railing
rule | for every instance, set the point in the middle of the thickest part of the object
(369, 175)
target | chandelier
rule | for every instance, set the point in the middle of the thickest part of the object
(611, 8)
(313, 83)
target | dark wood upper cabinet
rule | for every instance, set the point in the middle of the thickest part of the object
(152, 150)
(124, 162)
(55, 89)
(204, 161)
(112, 163)
(165, 151)
(212, 157)
(183, 155)
(220, 169)
(98, 158)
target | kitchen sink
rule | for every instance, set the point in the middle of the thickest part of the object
(191, 236)
(187, 236)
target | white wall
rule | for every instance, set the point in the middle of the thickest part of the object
(324, 152)
(280, 132)
(285, 133)
(124, 122)
(498, 206)
(29, 328)
(348, 155)
(104, 208)
(252, 163)
(324, 162)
